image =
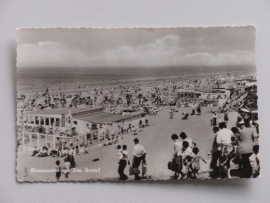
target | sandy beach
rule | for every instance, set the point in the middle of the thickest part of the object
(157, 134)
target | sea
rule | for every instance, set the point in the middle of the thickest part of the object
(40, 78)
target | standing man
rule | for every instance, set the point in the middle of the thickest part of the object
(224, 140)
(215, 154)
(245, 148)
(139, 154)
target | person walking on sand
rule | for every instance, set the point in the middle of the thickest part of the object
(215, 154)
(122, 163)
(177, 147)
(193, 109)
(224, 140)
(58, 170)
(214, 120)
(138, 155)
(226, 116)
(70, 156)
(245, 148)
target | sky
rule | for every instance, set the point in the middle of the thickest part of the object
(136, 47)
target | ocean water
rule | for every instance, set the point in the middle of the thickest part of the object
(42, 77)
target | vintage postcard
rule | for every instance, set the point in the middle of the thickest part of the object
(134, 104)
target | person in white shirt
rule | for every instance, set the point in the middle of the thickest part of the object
(177, 147)
(139, 154)
(70, 156)
(122, 157)
(193, 109)
(224, 135)
(224, 140)
(187, 156)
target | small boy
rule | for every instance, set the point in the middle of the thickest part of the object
(196, 162)
(187, 159)
(58, 170)
(77, 150)
(66, 168)
(255, 162)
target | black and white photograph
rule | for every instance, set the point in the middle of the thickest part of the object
(137, 104)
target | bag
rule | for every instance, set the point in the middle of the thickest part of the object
(170, 166)
(134, 171)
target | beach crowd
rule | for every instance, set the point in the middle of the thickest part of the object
(234, 151)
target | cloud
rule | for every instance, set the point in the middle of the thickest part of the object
(49, 54)
(212, 59)
(169, 50)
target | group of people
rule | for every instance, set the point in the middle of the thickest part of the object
(139, 158)
(237, 146)
(186, 159)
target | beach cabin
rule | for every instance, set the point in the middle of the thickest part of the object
(203, 93)
(206, 93)
(89, 126)
(77, 120)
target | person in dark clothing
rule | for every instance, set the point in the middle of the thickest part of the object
(245, 148)
(199, 111)
(70, 156)
(214, 120)
(215, 155)
(186, 115)
(58, 170)
(247, 120)
(226, 116)
(139, 154)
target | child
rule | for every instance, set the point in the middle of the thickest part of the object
(58, 170)
(144, 169)
(196, 162)
(171, 114)
(255, 162)
(66, 168)
(146, 122)
(186, 159)
(77, 150)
